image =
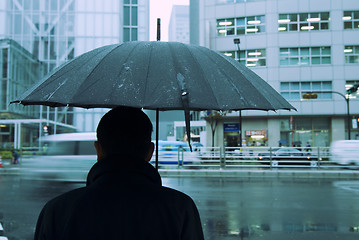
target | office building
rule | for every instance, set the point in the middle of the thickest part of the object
(297, 46)
(178, 29)
(52, 32)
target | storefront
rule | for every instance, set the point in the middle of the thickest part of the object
(300, 131)
(291, 131)
(231, 135)
(256, 138)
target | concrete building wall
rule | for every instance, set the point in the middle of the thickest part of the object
(178, 29)
(336, 73)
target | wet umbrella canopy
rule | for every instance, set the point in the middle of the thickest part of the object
(155, 75)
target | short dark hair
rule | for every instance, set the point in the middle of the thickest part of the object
(125, 131)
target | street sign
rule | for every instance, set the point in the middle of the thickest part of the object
(309, 96)
(355, 123)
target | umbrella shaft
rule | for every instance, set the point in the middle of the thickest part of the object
(157, 134)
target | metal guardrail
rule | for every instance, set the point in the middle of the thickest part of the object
(239, 158)
(250, 157)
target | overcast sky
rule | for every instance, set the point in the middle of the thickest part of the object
(162, 9)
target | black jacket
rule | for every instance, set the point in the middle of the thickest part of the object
(120, 201)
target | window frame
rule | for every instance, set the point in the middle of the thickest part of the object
(294, 22)
(351, 54)
(350, 18)
(247, 57)
(232, 27)
(304, 56)
(130, 29)
(299, 88)
(349, 84)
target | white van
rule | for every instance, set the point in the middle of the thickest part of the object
(175, 153)
(345, 152)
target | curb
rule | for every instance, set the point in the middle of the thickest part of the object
(260, 173)
(274, 173)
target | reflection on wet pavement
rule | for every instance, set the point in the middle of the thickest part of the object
(230, 208)
(274, 208)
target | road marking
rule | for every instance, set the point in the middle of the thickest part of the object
(1, 232)
(352, 186)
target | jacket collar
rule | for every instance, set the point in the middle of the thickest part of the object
(119, 164)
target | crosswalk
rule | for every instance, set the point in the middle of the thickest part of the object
(2, 233)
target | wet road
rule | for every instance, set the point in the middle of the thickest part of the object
(230, 208)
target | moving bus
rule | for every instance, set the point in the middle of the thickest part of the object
(69, 156)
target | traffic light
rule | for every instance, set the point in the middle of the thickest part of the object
(309, 96)
(353, 89)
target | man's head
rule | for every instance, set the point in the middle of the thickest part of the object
(124, 131)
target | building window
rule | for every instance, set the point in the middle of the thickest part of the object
(305, 56)
(349, 84)
(351, 54)
(130, 20)
(225, 27)
(351, 19)
(294, 90)
(250, 58)
(303, 21)
(241, 26)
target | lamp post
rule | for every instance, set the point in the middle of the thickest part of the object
(237, 41)
(314, 95)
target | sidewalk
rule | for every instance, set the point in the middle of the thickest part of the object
(9, 168)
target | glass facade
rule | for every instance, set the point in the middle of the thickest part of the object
(303, 21)
(55, 31)
(19, 70)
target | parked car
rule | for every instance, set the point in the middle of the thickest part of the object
(287, 156)
(345, 152)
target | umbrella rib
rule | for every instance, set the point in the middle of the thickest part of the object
(83, 91)
(148, 72)
(97, 65)
(234, 86)
(44, 84)
(203, 76)
(268, 93)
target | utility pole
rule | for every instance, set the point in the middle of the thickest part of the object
(237, 41)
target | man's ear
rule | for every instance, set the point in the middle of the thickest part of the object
(150, 152)
(99, 151)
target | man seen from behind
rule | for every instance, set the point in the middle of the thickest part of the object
(124, 197)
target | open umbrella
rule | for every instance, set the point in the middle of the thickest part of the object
(155, 75)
